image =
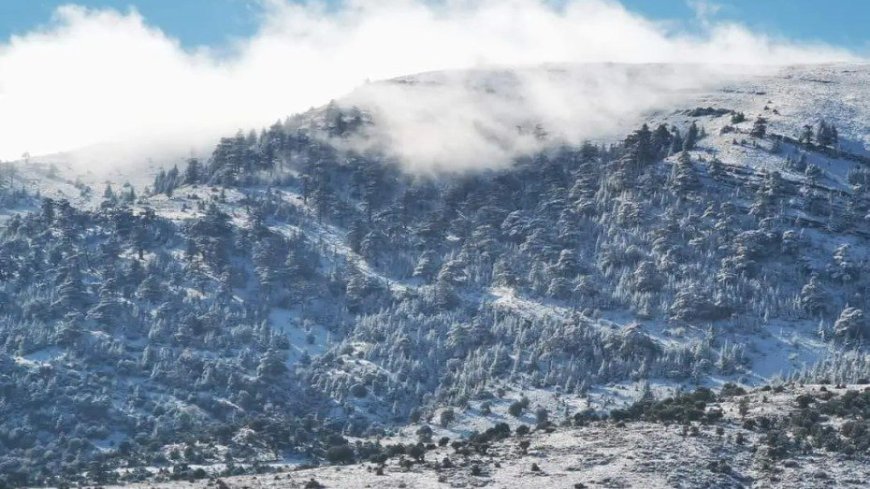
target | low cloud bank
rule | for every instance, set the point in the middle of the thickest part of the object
(103, 77)
(464, 120)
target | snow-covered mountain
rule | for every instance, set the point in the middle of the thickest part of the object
(309, 287)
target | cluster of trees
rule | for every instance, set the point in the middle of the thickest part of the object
(123, 332)
(823, 134)
(807, 429)
(119, 324)
(684, 408)
(783, 435)
(827, 420)
(12, 193)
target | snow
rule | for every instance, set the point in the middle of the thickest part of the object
(647, 456)
(639, 454)
(304, 336)
(39, 358)
(788, 98)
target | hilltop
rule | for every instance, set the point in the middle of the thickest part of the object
(303, 287)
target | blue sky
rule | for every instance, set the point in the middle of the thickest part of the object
(838, 22)
(193, 22)
(216, 23)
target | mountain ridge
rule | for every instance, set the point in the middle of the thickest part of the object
(293, 291)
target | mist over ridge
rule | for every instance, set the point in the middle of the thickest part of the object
(80, 81)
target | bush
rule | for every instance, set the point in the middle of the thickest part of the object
(516, 409)
(340, 454)
(313, 484)
(359, 390)
(498, 432)
(524, 446)
(730, 390)
(424, 434)
(446, 417)
(584, 417)
(542, 415)
(804, 400)
(681, 409)
(417, 452)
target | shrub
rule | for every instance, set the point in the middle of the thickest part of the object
(340, 454)
(359, 390)
(516, 409)
(730, 390)
(446, 417)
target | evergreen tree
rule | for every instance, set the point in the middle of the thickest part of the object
(661, 141)
(677, 142)
(692, 136)
(683, 176)
(192, 172)
(640, 147)
(813, 298)
(109, 194)
(716, 168)
(806, 136)
(851, 324)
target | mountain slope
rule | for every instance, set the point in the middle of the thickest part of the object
(742, 448)
(298, 289)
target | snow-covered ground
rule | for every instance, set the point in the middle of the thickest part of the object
(789, 98)
(640, 455)
(600, 454)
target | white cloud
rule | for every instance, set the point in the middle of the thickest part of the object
(101, 76)
(458, 120)
(704, 10)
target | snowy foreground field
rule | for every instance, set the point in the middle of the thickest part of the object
(735, 451)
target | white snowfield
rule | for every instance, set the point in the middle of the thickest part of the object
(600, 455)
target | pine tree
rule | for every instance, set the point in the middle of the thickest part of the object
(806, 136)
(851, 324)
(639, 145)
(299, 266)
(661, 141)
(716, 168)
(149, 289)
(683, 176)
(813, 298)
(193, 172)
(109, 194)
(71, 292)
(426, 265)
(692, 136)
(826, 134)
(676, 142)
(272, 364)
(108, 310)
